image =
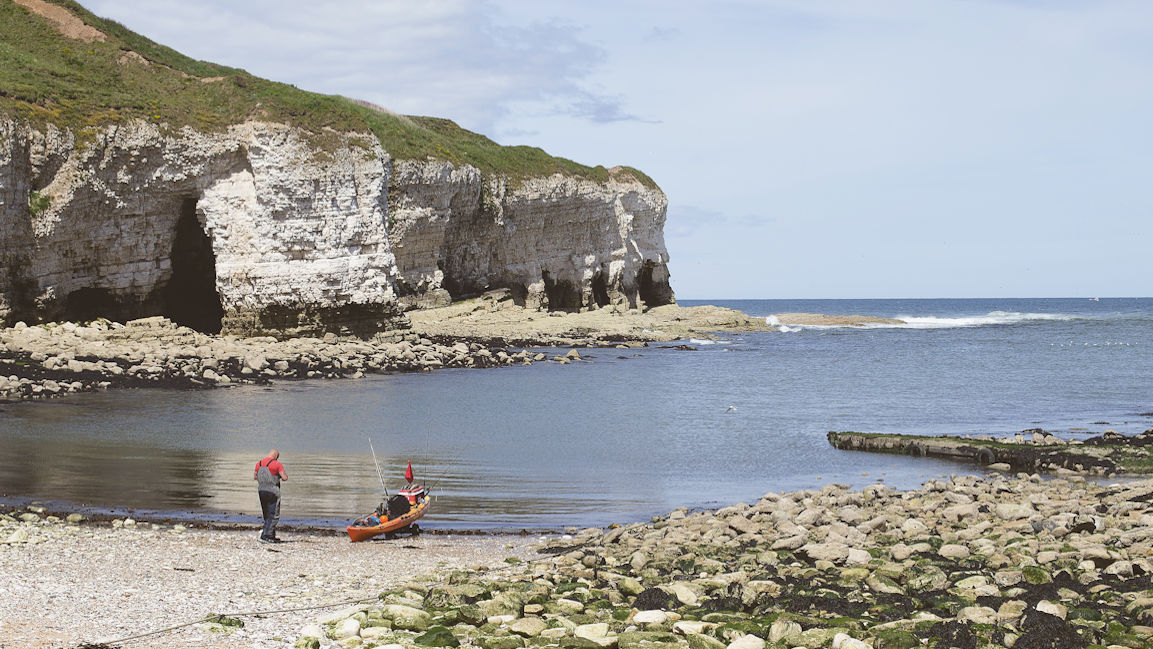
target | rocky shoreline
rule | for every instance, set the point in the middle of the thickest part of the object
(998, 562)
(54, 359)
(964, 562)
(43, 361)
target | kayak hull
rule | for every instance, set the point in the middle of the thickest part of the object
(364, 533)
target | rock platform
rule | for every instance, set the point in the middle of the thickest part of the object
(1109, 454)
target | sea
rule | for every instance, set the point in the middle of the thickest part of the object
(619, 437)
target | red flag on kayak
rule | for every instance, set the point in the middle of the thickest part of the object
(408, 472)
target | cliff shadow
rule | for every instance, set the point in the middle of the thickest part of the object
(191, 298)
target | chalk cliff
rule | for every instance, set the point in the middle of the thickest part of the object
(261, 229)
(135, 181)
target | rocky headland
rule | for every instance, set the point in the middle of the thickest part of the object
(136, 182)
(1006, 561)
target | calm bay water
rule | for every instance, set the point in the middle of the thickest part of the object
(630, 434)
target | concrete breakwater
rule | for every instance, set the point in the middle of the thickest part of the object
(962, 562)
(42, 361)
(1108, 454)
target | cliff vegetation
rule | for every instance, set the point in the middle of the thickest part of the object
(102, 73)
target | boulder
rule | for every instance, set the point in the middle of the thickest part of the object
(529, 627)
(748, 641)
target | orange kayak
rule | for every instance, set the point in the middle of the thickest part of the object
(376, 524)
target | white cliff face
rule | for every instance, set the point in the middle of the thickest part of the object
(261, 229)
(290, 228)
(558, 242)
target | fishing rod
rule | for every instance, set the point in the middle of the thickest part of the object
(378, 473)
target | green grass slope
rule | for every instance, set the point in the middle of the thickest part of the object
(49, 78)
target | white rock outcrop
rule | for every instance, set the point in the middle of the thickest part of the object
(263, 227)
(558, 242)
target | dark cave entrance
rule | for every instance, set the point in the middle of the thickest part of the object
(561, 293)
(191, 299)
(645, 288)
(600, 289)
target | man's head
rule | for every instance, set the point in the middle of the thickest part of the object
(274, 454)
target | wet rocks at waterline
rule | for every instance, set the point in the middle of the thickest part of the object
(963, 562)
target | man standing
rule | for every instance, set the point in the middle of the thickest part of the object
(268, 474)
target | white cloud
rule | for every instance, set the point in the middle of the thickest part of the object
(456, 59)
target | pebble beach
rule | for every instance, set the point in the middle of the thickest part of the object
(1007, 561)
(71, 584)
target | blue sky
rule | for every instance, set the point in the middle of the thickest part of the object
(809, 148)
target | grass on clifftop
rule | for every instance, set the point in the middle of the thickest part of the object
(49, 78)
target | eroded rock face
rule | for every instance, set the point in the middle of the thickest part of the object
(556, 242)
(255, 228)
(264, 228)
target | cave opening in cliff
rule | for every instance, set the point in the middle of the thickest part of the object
(191, 299)
(648, 290)
(600, 289)
(562, 294)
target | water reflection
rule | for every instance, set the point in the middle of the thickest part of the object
(614, 440)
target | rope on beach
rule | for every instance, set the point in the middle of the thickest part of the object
(212, 618)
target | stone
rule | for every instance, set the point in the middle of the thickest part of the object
(702, 641)
(592, 631)
(1052, 608)
(501, 642)
(1013, 511)
(528, 627)
(747, 641)
(834, 552)
(406, 617)
(346, 629)
(19, 536)
(954, 551)
(629, 587)
(1011, 610)
(567, 606)
(846, 641)
(977, 615)
(437, 636)
(312, 631)
(784, 631)
(688, 627)
(684, 594)
(650, 617)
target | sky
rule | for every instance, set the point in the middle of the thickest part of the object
(808, 148)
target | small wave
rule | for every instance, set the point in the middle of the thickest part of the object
(773, 321)
(991, 318)
(701, 341)
(935, 322)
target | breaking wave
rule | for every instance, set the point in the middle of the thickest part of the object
(934, 322)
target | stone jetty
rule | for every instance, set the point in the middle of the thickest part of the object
(1108, 454)
(962, 562)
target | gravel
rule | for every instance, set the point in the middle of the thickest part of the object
(68, 585)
